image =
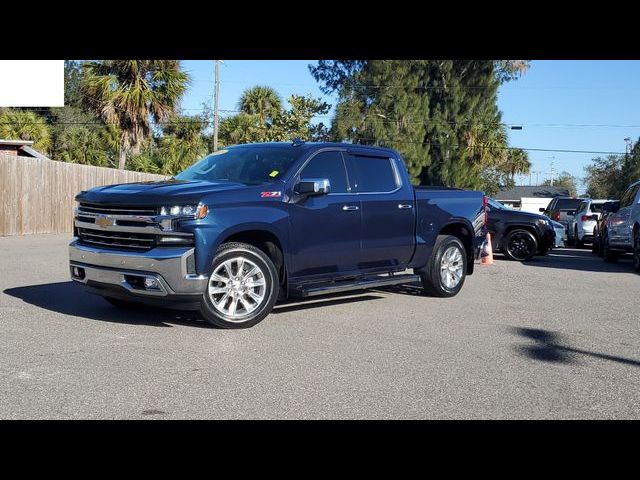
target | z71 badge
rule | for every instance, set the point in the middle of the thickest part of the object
(270, 194)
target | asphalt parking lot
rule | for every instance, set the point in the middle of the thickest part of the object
(556, 338)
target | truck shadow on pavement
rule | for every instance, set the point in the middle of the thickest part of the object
(548, 346)
(577, 259)
(69, 298)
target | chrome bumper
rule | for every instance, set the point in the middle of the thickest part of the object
(167, 265)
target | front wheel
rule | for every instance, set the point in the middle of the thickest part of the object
(242, 289)
(520, 245)
(447, 269)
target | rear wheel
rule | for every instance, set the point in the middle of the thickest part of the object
(607, 253)
(242, 289)
(595, 245)
(447, 269)
(520, 245)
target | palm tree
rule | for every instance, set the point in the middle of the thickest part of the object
(131, 94)
(25, 125)
(517, 162)
(264, 102)
(80, 144)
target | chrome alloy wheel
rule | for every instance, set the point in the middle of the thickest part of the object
(451, 267)
(236, 288)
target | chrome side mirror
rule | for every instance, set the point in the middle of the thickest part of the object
(313, 186)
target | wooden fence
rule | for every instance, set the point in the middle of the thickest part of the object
(37, 195)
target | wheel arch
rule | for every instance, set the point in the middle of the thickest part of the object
(463, 230)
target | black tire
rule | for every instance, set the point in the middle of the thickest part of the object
(124, 304)
(268, 272)
(607, 254)
(636, 251)
(520, 245)
(595, 245)
(432, 281)
(579, 243)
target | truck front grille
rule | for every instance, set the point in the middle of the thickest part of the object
(116, 209)
(117, 240)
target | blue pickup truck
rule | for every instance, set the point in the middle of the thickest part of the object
(251, 224)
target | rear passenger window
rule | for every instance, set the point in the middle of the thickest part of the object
(328, 165)
(373, 174)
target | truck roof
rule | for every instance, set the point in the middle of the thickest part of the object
(305, 146)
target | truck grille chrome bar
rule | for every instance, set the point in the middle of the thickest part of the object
(116, 210)
(119, 240)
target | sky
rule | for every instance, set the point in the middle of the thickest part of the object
(561, 105)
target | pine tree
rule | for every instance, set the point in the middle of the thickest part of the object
(441, 115)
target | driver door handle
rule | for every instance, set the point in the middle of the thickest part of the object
(403, 206)
(350, 208)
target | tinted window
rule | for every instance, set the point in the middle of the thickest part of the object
(328, 165)
(251, 165)
(627, 198)
(596, 207)
(582, 207)
(373, 174)
(567, 204)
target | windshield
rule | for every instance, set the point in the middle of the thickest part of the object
(251, 165)
(567, 203)
(497, 205)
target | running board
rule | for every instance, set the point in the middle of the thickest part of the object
(358, 284)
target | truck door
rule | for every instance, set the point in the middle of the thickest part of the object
(325, 229)
(388, 211)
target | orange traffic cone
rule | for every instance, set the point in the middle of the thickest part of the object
(487, 252)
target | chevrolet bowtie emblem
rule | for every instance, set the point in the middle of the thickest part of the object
(104, 221)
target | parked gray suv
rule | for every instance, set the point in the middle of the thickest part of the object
(622, 228)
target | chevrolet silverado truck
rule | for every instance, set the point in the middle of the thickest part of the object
(251, 224)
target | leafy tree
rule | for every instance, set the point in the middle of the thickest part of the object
(610, 176)
(16, 124)
(131, 94)
(604, 177)
(441, 115)
(565, 180)
(81, 144)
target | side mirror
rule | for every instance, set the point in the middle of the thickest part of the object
(313, 186)
(541, 209)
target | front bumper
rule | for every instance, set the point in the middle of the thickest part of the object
(547, 239)
(126, 271)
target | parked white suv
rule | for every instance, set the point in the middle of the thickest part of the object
(621, 232)
(584, 219)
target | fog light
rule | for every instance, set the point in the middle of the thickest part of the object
(151, 283)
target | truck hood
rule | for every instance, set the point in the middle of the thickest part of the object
(526, 216)
(155, 193)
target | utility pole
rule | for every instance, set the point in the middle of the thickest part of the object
(551, 170)
(215, 106)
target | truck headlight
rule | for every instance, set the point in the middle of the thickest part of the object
(193, 211)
